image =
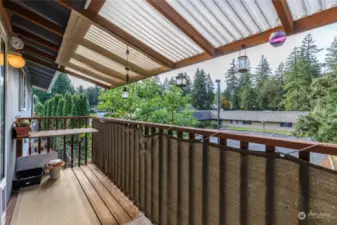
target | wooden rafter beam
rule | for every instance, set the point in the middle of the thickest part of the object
(33, 17)
(40, 62)
(5, 17)
(121, 35)
(307, 23)
(77, 75)
(107, 79)
(95, 6)
(34, 38)
(28, 49)
(99, 67)
(167, 11)
(283, 12)
(110, 55)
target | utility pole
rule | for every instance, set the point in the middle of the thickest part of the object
(218, 121)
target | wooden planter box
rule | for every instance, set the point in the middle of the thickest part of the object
(22, 132)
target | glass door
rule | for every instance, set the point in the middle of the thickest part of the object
(3, 62)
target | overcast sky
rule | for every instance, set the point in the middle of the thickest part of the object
(218, 66)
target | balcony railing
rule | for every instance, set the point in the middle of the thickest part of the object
(176, 175)
(73, 146)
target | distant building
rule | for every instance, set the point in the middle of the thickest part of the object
(264, 120)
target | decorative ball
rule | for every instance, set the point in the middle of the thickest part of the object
(278, 38)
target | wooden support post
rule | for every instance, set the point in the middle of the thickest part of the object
(86, 143)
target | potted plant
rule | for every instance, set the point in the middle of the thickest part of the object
(22, 128)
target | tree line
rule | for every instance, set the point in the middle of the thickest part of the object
(287, 88)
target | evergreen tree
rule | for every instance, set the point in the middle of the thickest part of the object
(56, 100)
(62, 85)
(278, 81)
(232, 85)
(166, 84)
(199, 94)
(210, 92)
(261, 80)
(60, 107)
(39, 109)
(80, 89)
(67, 105)
(331, 56)
(262, 72)
(246, 93)
(188, 88)
(75, 105)
(172, 82)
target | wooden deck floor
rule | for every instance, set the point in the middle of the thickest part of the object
(83, 195)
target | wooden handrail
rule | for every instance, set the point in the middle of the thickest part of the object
(323, 148)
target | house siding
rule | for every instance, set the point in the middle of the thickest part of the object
(11, 113)
(275, 126)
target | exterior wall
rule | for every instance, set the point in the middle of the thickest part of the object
(259, 125)
(13, 111)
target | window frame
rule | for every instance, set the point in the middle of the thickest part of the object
(286, 125)
(22, 91)
(247, 122)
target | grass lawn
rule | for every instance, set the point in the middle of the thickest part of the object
(259, 130)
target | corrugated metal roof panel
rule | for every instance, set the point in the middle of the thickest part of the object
(145, 23)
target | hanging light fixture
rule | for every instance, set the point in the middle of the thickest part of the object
(181, 80)
(125, 93)
(16, 60)
(243, 61)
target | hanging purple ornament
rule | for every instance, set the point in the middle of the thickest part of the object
(278, 38)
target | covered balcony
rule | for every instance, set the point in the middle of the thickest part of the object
(129, 171)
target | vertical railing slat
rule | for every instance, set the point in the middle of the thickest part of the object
(243, 184)
(72, 144)
(86, 143)
(270, 182)
(222, 181)
(304, 185)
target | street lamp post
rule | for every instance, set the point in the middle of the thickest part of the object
(218, 121)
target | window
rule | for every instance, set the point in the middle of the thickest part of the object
(247, 122)
(289, 125)
(22, 91)
(231, 121)
(234, 122)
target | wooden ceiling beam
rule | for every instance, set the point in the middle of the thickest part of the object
(307, 23)
(63, 70)
(99, 67)
(121, 35)
(5, 17)
(40, 62)
(33, 17)
(34, 38)
(95, 6)
(110, 80)
(28, 49)
(283, 12)
(110, 55)
(169, 13)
